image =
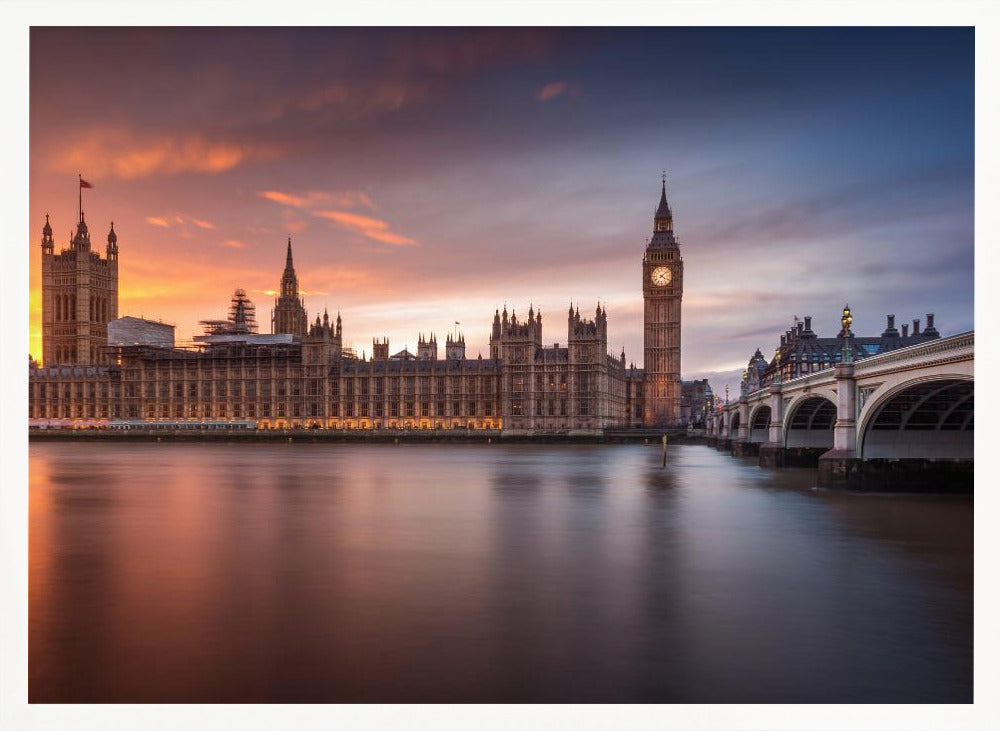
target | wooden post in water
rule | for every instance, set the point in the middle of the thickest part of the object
(664, 450)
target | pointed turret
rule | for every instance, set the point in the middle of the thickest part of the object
(47, 242)
(663, 209)
(663, 222)
(112, 248)
(81, 240)
(289, 314)
(289, 282)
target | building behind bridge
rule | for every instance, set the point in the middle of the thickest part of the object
(801, 351)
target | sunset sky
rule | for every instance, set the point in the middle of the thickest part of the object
(433, 175)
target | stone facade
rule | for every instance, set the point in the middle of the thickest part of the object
(79, 297)
(289, 313)
(803, 352)
(662, 290)
(301, 375)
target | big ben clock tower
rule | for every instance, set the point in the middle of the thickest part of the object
(662, 288)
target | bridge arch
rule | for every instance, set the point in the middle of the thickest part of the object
(809, 422)
(734, 425)
(928, 418)
(760, 420)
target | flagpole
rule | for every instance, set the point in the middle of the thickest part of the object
(80, 192)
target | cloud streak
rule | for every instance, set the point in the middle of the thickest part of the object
(119, 154)
(314, 198)
(372, 228)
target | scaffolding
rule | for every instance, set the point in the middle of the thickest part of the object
(242, 318)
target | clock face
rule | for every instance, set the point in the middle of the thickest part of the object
(661, 276)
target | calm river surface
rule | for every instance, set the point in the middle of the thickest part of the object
(476, 573)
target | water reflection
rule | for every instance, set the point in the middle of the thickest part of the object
(351, 573)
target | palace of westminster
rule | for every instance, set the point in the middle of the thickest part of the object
(99, 369)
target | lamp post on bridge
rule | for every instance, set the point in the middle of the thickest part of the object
(837, 465)
(847, 352)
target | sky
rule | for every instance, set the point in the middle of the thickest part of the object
(428, 176)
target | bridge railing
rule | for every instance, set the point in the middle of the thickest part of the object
(923, 351)
(939, 346)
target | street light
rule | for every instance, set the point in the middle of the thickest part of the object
(777, 364)
(845, 322)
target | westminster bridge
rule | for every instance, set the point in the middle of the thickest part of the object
(897, 420)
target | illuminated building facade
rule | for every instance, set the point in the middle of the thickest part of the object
(79, 297)
(301, 375)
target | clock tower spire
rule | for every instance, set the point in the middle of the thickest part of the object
(662, 289)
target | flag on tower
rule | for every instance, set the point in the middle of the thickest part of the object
(85, 184)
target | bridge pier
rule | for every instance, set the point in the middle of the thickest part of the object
(771, 452)
(775, 455)
(839, 472)
(745, 449)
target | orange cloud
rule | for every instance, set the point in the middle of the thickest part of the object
(285, 198)
(233, 244)
(389, 237)
(373, 228)
(116, 153)
(341, 199)
(168, 221)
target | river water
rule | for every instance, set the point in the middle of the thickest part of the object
(484, 573)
